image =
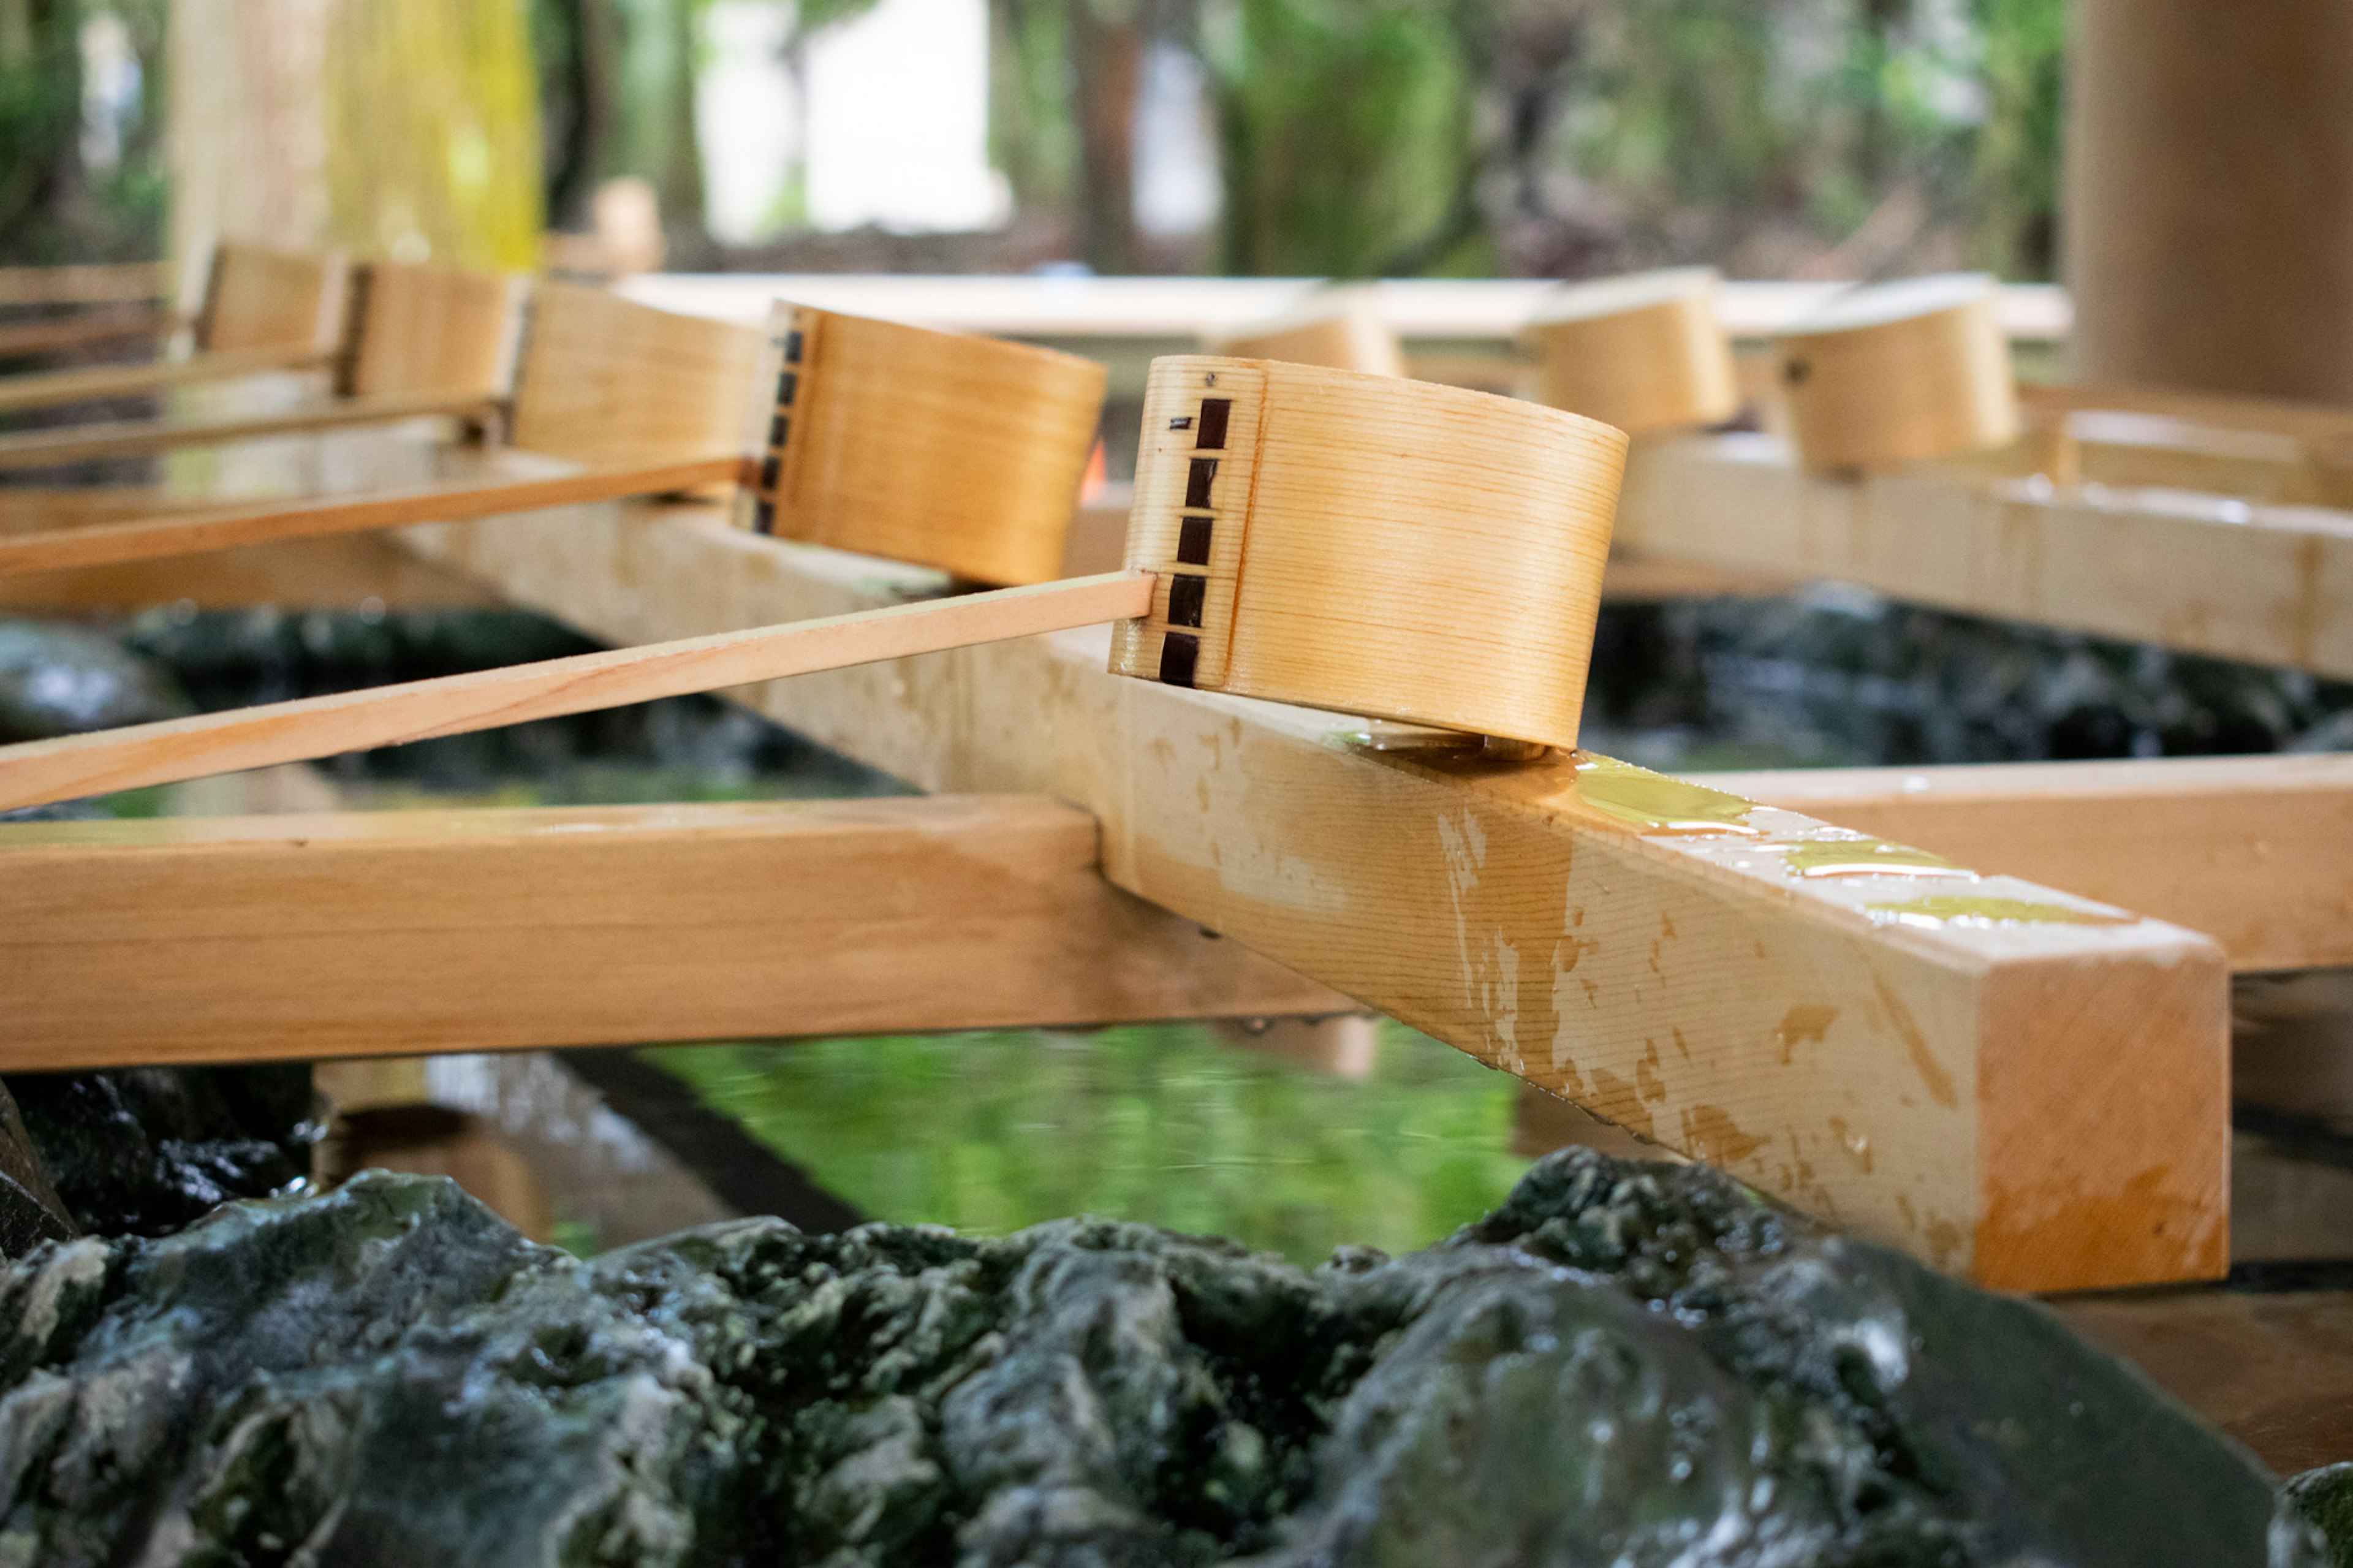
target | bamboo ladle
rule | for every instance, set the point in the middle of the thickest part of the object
(956, 452)
(263, 309)
(1414, 552)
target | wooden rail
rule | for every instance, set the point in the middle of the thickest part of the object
(2010, 1081)
(2256, 852)
(2206, 574)
(232, 938)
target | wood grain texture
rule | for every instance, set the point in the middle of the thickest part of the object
(2204, 574)
(1888, 376)
(258, 297)
(2256, 852)
(36, 771)
(1645, 352)
(1370, 545)
(608, 382)
(181, 532)
(52, 448)
(420, 328)
(193, 940)
(939, 448)
(1340, 328)
(2199, 254)
(1650, 953)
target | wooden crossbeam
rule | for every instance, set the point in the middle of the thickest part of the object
(2213, 574)
(2257, 852)
(2008, 1080)
(51, 389)
(233, 939)
(100, 284)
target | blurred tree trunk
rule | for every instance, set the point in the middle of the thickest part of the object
(403, 128)
(575, 42)
(1107, 54)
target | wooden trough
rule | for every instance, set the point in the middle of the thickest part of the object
(2023, 1084)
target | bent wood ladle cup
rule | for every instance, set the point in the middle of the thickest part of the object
(1326, 538)
(960, 453)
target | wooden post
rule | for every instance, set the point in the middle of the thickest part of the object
(2209, 214)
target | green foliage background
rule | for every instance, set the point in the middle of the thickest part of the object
(990, 1132)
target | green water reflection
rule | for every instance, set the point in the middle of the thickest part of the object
(1170, 1124)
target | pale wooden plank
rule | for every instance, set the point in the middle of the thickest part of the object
(131, 437)
(105, 283)
(55, 388)
(2257, 852)
(2042, 1104)
(2271, 585)
(36, 773)
(193, 940)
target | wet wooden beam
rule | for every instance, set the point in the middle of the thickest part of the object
(2256, 852)
(2012, 1081)
(2202, 573)
(231, 939)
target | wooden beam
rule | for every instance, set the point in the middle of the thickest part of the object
(2213, 574)
(2010, 1081)
(232, 938)
(2256, 852)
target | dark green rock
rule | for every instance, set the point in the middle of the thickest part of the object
(2324, 1498)
(145, 1151)
(1626, 1364)
(59, 680)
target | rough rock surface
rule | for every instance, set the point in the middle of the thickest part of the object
(145, 1151)
(1626, 1364)
(2325, 1498)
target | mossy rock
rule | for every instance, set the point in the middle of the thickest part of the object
(1625, 1365)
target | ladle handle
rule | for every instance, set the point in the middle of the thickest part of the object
(184, 533)
(43, 771)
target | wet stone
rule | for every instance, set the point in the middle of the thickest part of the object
(1626, 1364)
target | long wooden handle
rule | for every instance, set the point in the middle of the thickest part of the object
(51, 389)
(187, 533)
(96, 327)
(48, 449)
(43, 771)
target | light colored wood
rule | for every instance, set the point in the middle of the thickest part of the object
(2204, 573)
(36, 771)
(52, 448)
(90, 327)
(1340, 328)
(1887, 375)
(609, 382)
(2317, 425)
(947, 450)
(420, 328)
(181, 532)
(256, 297)
(1374, 546)
(2256, 852)
(365, 573)
(2202, 252)
(193, 940)
(104, 283)
(1645, 352)
(2038, 1103)
(57, 388)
